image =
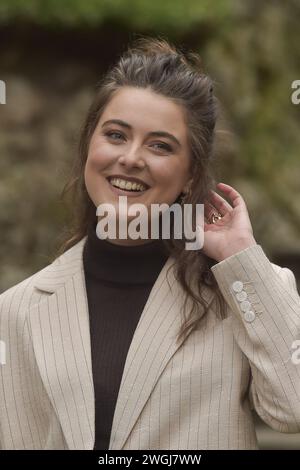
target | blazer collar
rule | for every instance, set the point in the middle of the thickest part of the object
(59, 326)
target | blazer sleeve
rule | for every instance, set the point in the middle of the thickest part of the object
(265, 313)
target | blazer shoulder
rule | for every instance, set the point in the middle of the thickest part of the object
(25, 295)
(20, 293)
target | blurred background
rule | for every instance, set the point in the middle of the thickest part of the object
(52, 54)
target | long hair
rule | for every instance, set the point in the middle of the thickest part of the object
(156, 64)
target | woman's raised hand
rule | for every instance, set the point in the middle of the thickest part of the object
(231, 233)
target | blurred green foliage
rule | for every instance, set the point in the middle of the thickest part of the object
(173, 14)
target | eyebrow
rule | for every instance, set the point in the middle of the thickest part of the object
(153, 133)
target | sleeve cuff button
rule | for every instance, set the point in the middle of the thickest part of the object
(249, 316)
(241, 296)
(245, 306)
(237, 286)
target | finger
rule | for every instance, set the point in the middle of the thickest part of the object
(220, 203)
(209, 210)
(232, 194)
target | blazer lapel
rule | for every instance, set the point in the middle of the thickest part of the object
(59, 326)
(61, 338)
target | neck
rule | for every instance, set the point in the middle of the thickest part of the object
(129, 264)
(128, 241)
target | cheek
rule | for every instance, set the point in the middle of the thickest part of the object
(171, 175)
(100, 154)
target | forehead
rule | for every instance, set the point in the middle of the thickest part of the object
(146, 110)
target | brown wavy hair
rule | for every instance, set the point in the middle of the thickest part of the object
(173, 73)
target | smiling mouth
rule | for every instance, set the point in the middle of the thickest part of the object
(127, 187)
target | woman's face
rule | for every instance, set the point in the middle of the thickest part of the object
(140, 138)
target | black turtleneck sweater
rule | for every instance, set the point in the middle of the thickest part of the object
(118, 282)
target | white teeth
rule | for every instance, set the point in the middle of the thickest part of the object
(127, 185)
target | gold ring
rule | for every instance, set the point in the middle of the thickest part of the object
(215, 217)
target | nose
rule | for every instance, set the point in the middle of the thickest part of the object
(132, 158)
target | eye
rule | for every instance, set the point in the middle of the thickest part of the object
(111, 133)
(163, 146)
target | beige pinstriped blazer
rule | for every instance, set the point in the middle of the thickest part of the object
(196, 395)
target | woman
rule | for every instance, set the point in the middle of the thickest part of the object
(140, 343)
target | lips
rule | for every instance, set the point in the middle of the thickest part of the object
(130, 179)
(124, 192)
